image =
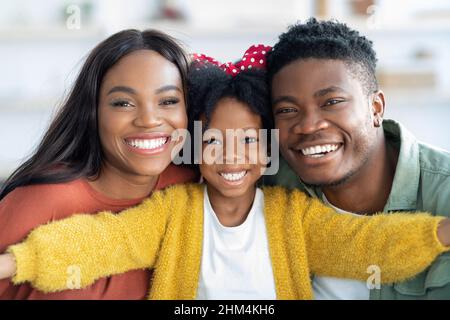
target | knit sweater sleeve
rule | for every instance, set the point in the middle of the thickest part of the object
(73, 253)
(399, 245)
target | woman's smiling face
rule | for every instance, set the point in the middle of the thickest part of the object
(232, 155)
(141, 104)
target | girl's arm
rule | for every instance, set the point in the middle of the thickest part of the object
(7, 265)
(400, 245)
(74, 252)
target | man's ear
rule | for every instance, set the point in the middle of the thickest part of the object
(378, 106)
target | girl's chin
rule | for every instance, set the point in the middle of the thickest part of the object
(235, 191)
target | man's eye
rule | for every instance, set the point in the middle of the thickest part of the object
(285, 110)
(212, 141)
(333, 102)
(121, 104)
(250, 140)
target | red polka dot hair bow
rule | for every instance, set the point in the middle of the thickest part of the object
(254, 57)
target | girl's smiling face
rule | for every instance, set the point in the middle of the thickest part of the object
(232, 155)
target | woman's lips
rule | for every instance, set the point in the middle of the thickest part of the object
(147, 144)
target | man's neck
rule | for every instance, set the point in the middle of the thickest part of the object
(368, 190)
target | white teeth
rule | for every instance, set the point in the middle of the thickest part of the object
(147, 144)
(318, 151)
(233, 176)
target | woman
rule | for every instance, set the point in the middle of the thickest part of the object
(108, 148)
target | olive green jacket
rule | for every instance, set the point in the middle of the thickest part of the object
(421, 182)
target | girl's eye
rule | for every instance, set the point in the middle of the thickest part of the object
(168, 102)
(333, 102)
(212, 141)
(250, 140)
(121, 104)
(285, 110)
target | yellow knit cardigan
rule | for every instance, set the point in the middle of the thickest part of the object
(165, 233)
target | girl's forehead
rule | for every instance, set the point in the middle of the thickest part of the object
(233, 114)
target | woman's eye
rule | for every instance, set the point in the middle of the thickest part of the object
(169, 102)
(250, 140)
(121, 104)
(285, 110)
(211, 141)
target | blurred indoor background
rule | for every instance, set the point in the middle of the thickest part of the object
(43, 44)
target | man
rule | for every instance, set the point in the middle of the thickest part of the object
(329, 110)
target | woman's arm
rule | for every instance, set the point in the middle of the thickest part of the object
(401, 245)
(83, 248)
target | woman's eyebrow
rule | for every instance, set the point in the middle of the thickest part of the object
(122, 89)
(167, 88)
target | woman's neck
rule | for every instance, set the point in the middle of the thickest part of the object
(231, 211)
(117, 184)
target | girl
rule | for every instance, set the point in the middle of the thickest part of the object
(108, 148)
(226, 238)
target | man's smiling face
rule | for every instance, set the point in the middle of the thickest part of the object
(325, 118)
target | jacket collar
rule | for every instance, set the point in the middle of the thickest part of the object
(404, 190)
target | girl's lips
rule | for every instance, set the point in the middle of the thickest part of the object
(233, 178)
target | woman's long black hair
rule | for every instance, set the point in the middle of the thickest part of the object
(71, 148)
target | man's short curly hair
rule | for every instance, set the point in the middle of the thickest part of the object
(208, 84)
(326, 40)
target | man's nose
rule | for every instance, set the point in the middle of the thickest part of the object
(310, 122)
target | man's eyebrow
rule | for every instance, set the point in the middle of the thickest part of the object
(122, 89)
(279, 99)
(323, 92)
(167, 88)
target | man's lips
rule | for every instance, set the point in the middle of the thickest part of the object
(317, 149)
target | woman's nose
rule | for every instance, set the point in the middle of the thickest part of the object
(148, 117)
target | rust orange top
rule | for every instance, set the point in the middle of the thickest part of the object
(27, 207)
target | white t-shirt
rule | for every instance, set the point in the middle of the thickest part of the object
(330, 288)
(235, 260)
